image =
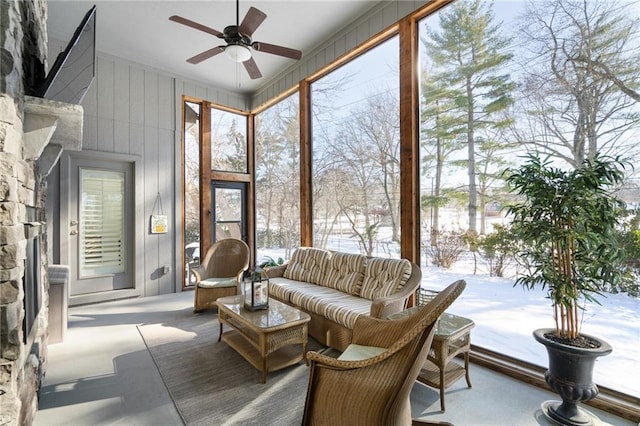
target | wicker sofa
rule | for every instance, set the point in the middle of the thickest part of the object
(335, 288)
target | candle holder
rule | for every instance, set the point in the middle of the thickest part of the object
(255, 289)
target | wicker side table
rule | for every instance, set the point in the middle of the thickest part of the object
(452, 337)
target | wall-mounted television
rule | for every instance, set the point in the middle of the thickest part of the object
(74, 69)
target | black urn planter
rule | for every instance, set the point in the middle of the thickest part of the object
(570, 374)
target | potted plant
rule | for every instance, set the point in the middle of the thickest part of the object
(567, 225)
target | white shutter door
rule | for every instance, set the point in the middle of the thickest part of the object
(101, 223)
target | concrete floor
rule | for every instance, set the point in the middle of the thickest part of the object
(102, 374)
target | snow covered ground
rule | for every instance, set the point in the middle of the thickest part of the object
(505, 317)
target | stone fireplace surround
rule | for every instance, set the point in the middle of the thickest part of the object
(33, 134)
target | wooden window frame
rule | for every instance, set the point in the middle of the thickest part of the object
(207, 175)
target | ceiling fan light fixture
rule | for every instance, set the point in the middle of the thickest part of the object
(238, 52)
(239, 43)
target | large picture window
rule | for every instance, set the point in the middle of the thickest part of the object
(356, 152)
(496, 85)
(277, 180)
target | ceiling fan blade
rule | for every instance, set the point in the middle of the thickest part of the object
(252, 68)
(277, 50)
(192, 24)
(252, 21)
(205, 55)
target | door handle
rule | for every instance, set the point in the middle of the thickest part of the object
(73, 222)
(74, 232)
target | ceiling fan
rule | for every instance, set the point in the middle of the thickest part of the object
(239, 43)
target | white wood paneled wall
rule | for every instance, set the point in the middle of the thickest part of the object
(135, 110)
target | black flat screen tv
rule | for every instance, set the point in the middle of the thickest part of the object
(74, 69)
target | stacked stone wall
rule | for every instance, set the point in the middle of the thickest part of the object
(22, 358)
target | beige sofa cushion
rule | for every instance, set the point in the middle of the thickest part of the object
(383, 277)
(307, 264)
(345, 272)
(335, 305)
(346, 309)
(282, 288)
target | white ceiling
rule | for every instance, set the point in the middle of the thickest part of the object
(140, 31)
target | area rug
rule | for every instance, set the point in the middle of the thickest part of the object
(212, 385)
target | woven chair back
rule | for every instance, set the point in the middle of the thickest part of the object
(226, 257)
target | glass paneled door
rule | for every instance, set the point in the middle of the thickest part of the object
(100, 227)
(228, 204)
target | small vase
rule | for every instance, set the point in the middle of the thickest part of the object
(570, 375)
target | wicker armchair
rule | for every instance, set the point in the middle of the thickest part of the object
(220, 272)
(370, 383)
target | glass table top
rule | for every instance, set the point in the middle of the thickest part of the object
(447, 325)
(275, 315)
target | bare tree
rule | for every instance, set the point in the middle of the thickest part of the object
(326, 173)
(328, 185)
(278, 175)
(377, 124)
(603, 70)
(358, 194)
(580, 73)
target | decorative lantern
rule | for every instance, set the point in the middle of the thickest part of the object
(255, 289)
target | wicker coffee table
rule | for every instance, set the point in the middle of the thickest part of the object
(267, 338)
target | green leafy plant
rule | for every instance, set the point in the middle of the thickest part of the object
(268, 261)
(499, 248)
(567, 225)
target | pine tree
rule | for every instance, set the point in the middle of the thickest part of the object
(469, 57)
(440, 139)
